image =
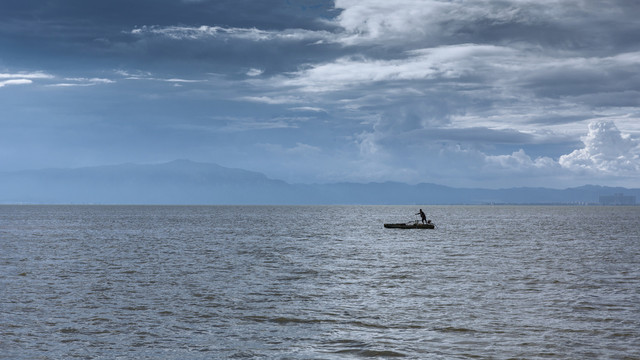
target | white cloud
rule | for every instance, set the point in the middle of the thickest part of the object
(309, 109)
(15, 82)
(273, 100)
(26, 75)
(92, 80)
(138, 75)
(608, 156)
(408, 21)
(368, 20)
(73, 82)
(176, 80)
(22, 78)
(520, 162)
(254, 72)
(606, 151)
(147, 76)
(250, 34)
(441, 63)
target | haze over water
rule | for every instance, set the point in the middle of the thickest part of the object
(319, 282)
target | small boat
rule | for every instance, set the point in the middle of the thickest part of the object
(412, 225)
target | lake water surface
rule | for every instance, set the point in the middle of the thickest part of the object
(319, 282)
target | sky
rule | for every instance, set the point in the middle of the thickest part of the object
(467, 93)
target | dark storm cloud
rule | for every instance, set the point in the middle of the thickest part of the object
(593, 27)
(581, 76)
(590, 27)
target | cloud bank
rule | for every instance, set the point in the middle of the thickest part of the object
(606, 151)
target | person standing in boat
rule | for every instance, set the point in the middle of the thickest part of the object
(423, 216)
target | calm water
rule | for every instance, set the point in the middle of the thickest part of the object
(491, 282)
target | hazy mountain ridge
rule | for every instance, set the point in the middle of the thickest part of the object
(187, 182)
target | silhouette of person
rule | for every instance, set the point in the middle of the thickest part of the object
(423, 216)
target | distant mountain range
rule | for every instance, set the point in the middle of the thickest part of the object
(187, 182)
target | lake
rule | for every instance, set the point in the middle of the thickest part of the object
(319, 282)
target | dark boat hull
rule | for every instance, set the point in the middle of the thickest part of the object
(410, 226)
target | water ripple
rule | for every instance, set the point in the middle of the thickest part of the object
(318, 282)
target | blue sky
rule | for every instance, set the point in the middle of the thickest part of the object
(473, 93)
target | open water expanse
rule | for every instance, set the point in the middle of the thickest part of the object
(319, 282)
